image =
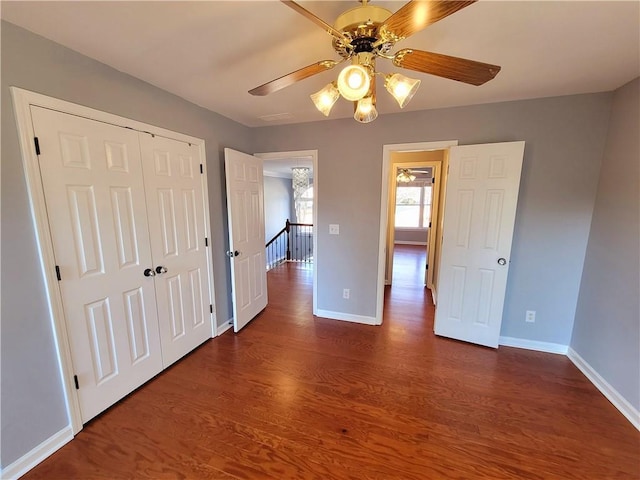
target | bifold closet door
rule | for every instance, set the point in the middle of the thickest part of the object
(176, 216)
(94, 190)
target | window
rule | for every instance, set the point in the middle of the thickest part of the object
(304, 206)
(413, 205)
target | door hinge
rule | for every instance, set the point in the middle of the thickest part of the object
(433, 179)
(429, 224)
(211, 308)
(201, 169)
(206, 242)
(37, 143)
(75, 380)
(58, 273)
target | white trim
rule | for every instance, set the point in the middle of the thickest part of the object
(209, 248)
(314, 159)
(224, 327)
(384, 205)
(629, 411)
(533, 345)
(347, 317)
(22, 101)
(37, 454)
(408, 242)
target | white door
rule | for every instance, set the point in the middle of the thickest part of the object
(93, 185)
(480, 210)
(175, 204)
(245, 208)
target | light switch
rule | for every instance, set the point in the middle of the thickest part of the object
(334, 229)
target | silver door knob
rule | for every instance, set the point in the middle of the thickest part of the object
(149, 273)
(502, 261)
(160, 270)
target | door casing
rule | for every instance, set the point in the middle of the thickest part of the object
(22, 101)
(313, 154)
(436, 167)
(384, 206)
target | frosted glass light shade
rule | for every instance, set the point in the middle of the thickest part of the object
(325, 99)
(401, 88)
(366, 110)
(405, 176)
(354, 82)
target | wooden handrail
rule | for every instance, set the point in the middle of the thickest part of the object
(287, 228)
(296, 238)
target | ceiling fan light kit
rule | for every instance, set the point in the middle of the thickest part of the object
(405, 176)
(363, 33)
(325, 99)
(402, 88)
(354, 82)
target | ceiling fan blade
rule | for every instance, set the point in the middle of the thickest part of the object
(293, 77)
(318, 21)
(416, 15)
(454, 68)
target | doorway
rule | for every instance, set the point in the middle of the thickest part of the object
(279, 164)
(385, 260)
(414, 198)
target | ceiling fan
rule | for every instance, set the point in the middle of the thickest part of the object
(363, 34)
(407, 175)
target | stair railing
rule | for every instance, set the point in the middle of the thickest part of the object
(294, 243)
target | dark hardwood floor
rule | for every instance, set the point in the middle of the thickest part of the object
(298, 397)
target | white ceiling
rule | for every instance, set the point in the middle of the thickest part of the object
(212, 52)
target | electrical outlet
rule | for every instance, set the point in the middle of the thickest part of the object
(530, 316)
(346, 293)
(334, 229)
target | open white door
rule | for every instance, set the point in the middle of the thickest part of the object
(480, 210)
(245, 209)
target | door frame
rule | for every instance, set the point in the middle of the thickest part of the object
(435, 166)
(314, 160)
(22, 102)
(384, 206)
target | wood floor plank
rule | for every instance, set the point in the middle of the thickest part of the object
(297, 397)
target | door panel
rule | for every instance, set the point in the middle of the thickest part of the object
(93, 186)
(245, 207)
(480, 208)
(175, 203)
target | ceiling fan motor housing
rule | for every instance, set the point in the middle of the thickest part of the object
(361, 25)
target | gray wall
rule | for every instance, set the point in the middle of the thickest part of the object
(565, 138)
(32, 399)
(606, 332)
(278, 205)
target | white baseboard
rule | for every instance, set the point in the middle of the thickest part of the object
(533, 345)
(409, 242)
(618, 401)
(224, 327)
(348, 317)
(37, 455)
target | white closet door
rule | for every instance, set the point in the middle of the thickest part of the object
(175, 204)
(92, 179)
